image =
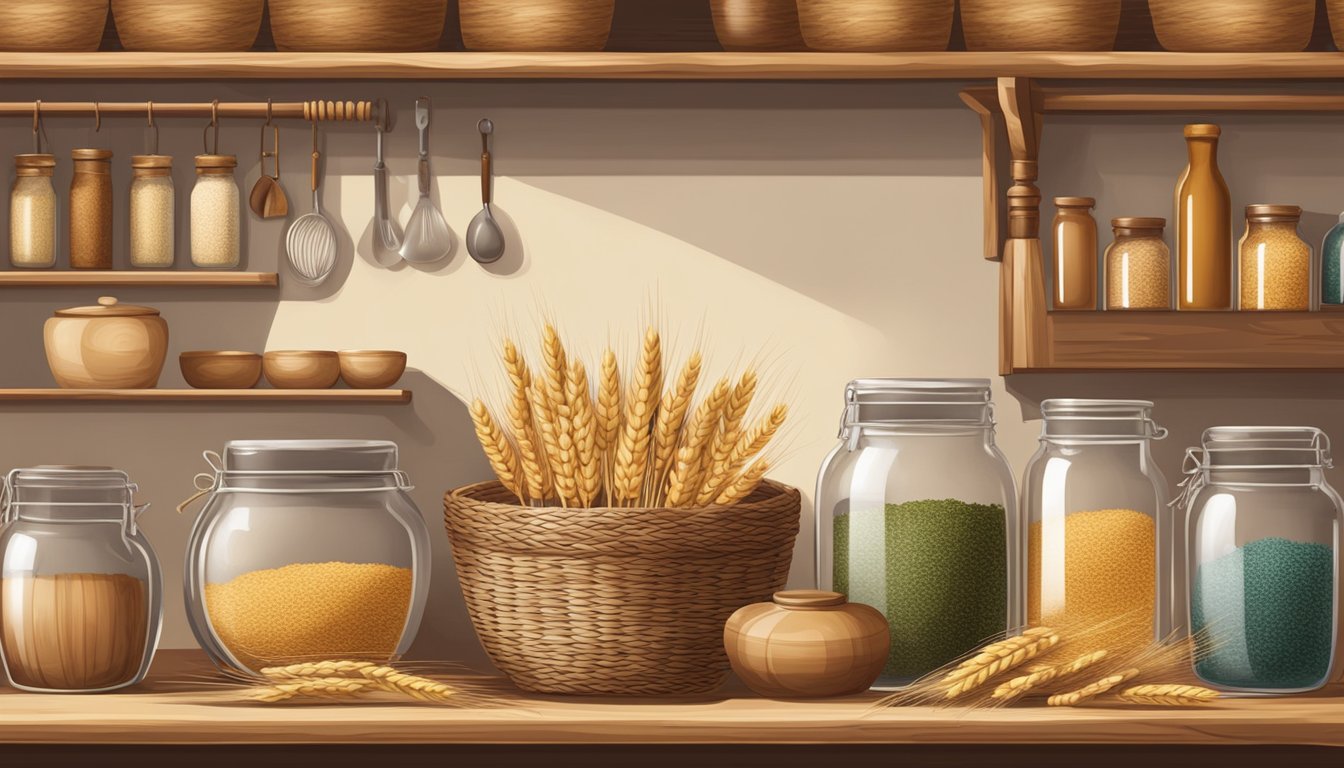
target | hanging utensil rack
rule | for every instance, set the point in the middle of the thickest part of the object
(321, 111)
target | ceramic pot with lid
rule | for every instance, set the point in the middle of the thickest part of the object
(108, 346)
(807, 643)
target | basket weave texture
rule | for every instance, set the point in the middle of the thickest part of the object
(615, 601)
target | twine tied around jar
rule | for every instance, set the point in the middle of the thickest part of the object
(1197, 462)
(218, 480)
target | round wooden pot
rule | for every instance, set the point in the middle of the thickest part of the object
(52, 25)
(108, 346)
(877, 25)
(1239, 26)
(1040, 25)
(536, 25)
(188, 25)
(358, 25)
(807, 644)
(757, 25)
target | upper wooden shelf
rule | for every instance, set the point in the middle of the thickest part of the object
(456, 65)
(207, 395)
(183, 277)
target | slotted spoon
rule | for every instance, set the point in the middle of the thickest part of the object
(311, 242)
(428, 238)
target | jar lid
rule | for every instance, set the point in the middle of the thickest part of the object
(1139, 222)
(1076, 202)
(152, 161)
(35, 161)
(216, 161)
(1262, 212)
(108, 307)
(893, 402)
(91, 154)
(809, 598)
(1206, 130)
(1095, 419)
(310, 456)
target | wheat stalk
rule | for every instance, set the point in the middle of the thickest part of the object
(994, 651)
(1024, 684)
(608, 414)
(683, 486)
(756, 439)
(498, 450)
(1007, 657)
(588, 465)
(377, 676)
(1074, 698)
(671, 418)
(718, 458)
(535, 473)
(742, 487)
(632, 452)
(336, 687)
(1168, 695)
(562, 474)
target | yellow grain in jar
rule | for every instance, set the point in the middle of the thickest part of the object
(1138, 265)
(1275, 261)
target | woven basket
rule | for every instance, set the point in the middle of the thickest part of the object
(358, 25)
(188, 25)
(615, 601)
(52, 25)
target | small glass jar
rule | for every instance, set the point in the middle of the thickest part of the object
(306, 550)
(1275, 260)
(1138, 265)
(1075, 235)
(916, 517)
(1263, 576)
(82, 592)
(1332, 265)
(1099, 536)
(91, 209)
(32, 213)
(215, 207)
(152, 208)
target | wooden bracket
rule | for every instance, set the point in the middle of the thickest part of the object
(994, 148)
(1022, 297)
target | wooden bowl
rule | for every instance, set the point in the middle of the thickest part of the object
(188, 25)
(372, 368)
(1239, 26)
(877, 25)
(1040, 25)
(301, 370)
(221, 370)
(1335, 10)
(358, 25)
(536, 25)
(52, 25)
(757, 25)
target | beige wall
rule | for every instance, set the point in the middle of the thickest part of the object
(822, 231)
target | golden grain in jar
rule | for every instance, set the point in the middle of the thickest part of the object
(152, 209)
(1138, 265)
(1275, 261)
(32, 212)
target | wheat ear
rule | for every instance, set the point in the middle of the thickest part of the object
(671, 419)
(317, 687)
(1024, 684)
(718, 459)
(1003, 661)
(535, 472)
(378, 676)
(1168, 695)
(1074, 698)
(632, 451)
(561, 474)
(683, 485)
(993, 651)
(498, 450)
(756, 439)
(588, 464)
(562, 411)
(608, 413)
(742, 487)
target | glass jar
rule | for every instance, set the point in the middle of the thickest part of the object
(152, 209)
(306, 550)
(32, 213)
(1099, 535)
(214, 213)
(1075, 253)
(81, 592)
(1138, 265)
(91, 209)
(1263, 576)
(1203, 225)
(1275, 260)
(916, 517)
(1332, 265)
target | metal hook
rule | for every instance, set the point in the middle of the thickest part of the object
(149, 112)
(382, 118)
(214, 123)
(268, 112)
(97, 117)
(39, 129)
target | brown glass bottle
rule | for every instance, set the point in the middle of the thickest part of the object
(1075, 235)
(1203, 226)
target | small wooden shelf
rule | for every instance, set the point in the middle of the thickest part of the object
(207, 395)
(180, 278)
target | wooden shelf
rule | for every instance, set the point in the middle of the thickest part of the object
(179, 278)
(454, 65)
(207, 395)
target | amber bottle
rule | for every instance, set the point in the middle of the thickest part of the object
(1203, 226)
(1075, 234)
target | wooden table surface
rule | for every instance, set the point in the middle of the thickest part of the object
(183, 705)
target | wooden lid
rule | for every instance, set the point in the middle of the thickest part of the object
(1148, 223)
(1206, 130)
(216, 161)
(107, 307)
(1263, 212)
(151, 161)
(35, 161)
(91, 154)
(1076, 202)
(809, 598)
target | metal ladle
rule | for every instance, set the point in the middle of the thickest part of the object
(485, 240)
(428, 238)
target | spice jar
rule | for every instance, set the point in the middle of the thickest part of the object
(1099, 559)
(1275, 261)
(91, 209)
(1203, 225)
(32, 213)
(1263, 575)
(306, 550)
(1138, 265)
(916, 517)
(82, 591)
(152, 208)
(1075, 253)
(214, 213)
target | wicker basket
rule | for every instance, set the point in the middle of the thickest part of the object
(757, 25)
(358, 25)
(188, 25)
(615, 601)
(1240, 26)
(52, 25)
(877, 25)
(1040, 25)
(536, 25)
